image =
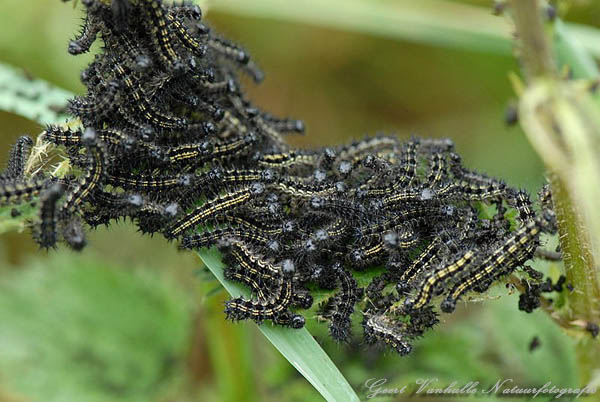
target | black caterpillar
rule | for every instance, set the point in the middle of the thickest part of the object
(169, 140)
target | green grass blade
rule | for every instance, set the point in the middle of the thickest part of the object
(34, 99)
(432, 22)
(298, 346)
(426, 21)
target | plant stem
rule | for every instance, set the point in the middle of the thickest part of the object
(580, 271)
(563, 125)
(535, 48)
(577, 255)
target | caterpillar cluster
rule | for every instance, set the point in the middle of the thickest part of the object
(170, 141)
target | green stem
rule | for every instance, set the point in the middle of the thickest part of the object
(535, 50)
(577, 255)
(563, 125)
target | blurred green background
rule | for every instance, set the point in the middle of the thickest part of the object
(132, 319)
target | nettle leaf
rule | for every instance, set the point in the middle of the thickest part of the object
(57, 345)
(14, 218)
(32, 98)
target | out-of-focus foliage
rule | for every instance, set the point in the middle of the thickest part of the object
(91, 328)
(75, 328)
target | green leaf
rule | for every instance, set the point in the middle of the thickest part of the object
(298, 346)
(77, 328)
(14, 217)
(570, 51)
(432, 22)
(34, 99)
